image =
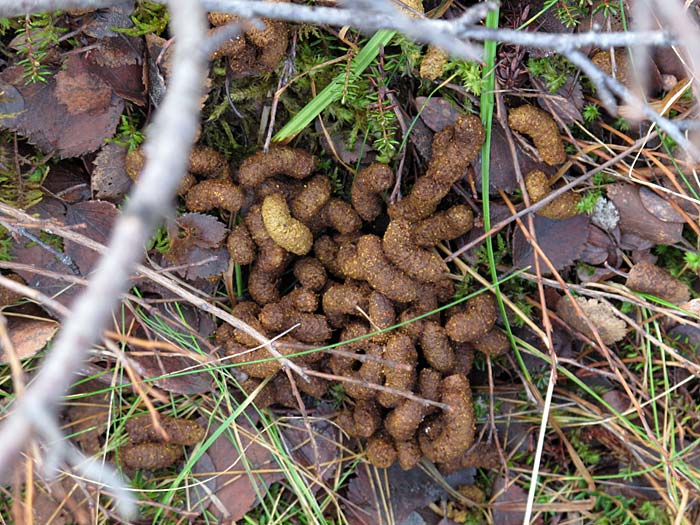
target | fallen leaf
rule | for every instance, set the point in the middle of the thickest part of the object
(562, 240)
(326, 438)
(109, 180)
(566, 103)
(232, 482)
(67, 181)
(636, 219)
(96, 219)
(659, 207)
(88, 413)
(422, 139)
(501, 172)
(51, 125)
(436, 112)
(102, 22)
(509, 504)
(40, 259)
(198, 238)
(79, 90)
(174, 373)
(119, 62)
(28, 336)
(410, 490)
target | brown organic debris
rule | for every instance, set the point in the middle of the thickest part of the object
(601, 315)
(647, 278)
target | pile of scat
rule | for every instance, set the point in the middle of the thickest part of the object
(352, 269)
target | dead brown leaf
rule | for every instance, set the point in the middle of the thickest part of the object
(647, 278)
(501, 173)
(509, 504)
(28, 336)
(325, 436)
(40, 259)
(109, 180)
(51, 125)
(119, 62)
(635, 217)
(436, 112)
(174, 373)
(232, 483)
(562, 240)
(198, 238)
(410, 491)
(89, 415)
(95, 219)
(79, 90)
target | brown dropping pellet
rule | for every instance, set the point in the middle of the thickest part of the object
(417, 262)
(543, 130)
(310, 273)
(647, 278)
(380, 451)
(399, 349)
(149, 456)
(443, 226)
(342, 217)
(408, 454)
(458, 430)
(436, 347)
(403, 421)
(367, 188)
(180, 431)
(314, 195)
(279, 160)
(326, 252)
(207, 161)
(475, 321)
(367, 417)
(378, 271)
(214, 193)
(493, 344)
(240, 245)
(262, 285)
(563, 207)
(287, 232)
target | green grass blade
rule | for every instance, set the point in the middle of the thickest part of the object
(333, 91)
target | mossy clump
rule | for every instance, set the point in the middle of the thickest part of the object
(543, 130)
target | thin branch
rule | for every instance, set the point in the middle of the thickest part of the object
(168, 147)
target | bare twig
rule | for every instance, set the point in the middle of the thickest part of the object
(168, 146)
